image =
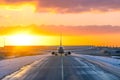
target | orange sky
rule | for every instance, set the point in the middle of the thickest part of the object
(81, 22)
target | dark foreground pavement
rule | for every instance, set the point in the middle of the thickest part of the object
(64, 68)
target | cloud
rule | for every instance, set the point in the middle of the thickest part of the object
(66, 30)
(68, 6)
(80, 5)
(83, 30)
(17, 1)
(14, 2)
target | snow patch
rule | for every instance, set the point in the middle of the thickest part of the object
(9, 66)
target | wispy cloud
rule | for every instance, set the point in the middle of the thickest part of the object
(17, 1)
(64, 6)
(66, 30)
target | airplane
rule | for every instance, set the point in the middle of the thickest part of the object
(60, 50)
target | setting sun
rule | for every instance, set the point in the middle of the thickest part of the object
(21, 39)
(24, 39)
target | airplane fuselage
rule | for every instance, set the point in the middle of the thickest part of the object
(60, 50)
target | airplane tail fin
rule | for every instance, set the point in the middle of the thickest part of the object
(61, 40)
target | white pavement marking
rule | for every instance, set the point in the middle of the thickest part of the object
(62, 70)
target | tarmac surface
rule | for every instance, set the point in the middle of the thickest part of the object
(64, 68)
